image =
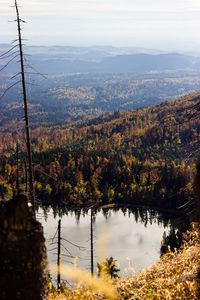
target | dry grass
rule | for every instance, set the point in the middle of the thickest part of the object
(89, 286)
(174, 276)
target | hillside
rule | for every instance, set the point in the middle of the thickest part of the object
(63, 98)
(133, 158)
(174, 276)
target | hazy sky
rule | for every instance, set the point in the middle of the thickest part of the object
(163, 24)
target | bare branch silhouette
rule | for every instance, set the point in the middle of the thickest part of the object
(9, 62)
(34, 69)
(75, 245)
(10, 87)
(19, 73)
(8, 51)
(10, 55)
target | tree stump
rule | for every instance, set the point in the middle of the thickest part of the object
(23, 259)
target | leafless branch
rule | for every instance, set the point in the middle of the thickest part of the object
(19, 73)
(67, 261)
(9, 62)
(34, 69)
(5, 53)
(66, 249)
(54, 243)
(9, 88)
(15, 41)
(10, 55)
(185, 204)
(42, 172)
(54, 235)
(80, 247)
(52, 249)
(66, 255)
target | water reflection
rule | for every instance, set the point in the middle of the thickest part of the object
(141, 214)
(134, 236)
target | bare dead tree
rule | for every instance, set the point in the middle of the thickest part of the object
(11, 55)
(92, 243)
(17, 160)
(58, 241)
(59, 255)
(23, 81)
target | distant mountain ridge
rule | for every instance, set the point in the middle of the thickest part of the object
(92, 53)
(119, 64)
(108, 59)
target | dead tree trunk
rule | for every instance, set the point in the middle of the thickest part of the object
(59, 255)
(91, 240)
(23, 259)
(28, 143)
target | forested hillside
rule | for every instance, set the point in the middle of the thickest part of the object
(139, 157)
(63, 98)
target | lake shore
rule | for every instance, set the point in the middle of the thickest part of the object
(175, 276)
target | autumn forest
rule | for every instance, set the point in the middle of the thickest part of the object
(141, 157)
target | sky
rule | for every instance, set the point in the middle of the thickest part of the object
(157, 24)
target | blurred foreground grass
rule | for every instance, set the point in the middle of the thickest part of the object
(174, 276)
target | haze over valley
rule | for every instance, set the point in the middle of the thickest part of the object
(83, 82)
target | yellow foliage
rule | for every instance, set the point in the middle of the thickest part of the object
(174, 276)
(87, 285)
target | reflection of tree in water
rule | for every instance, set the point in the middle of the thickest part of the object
(176, 220)
(140, 214)
(63, 254)
(173, 240)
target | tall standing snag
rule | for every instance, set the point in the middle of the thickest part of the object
(28, 143)
(91, 241)
(59, 255)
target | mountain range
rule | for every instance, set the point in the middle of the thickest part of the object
(108, 59)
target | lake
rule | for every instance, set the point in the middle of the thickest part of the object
(132, 238)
